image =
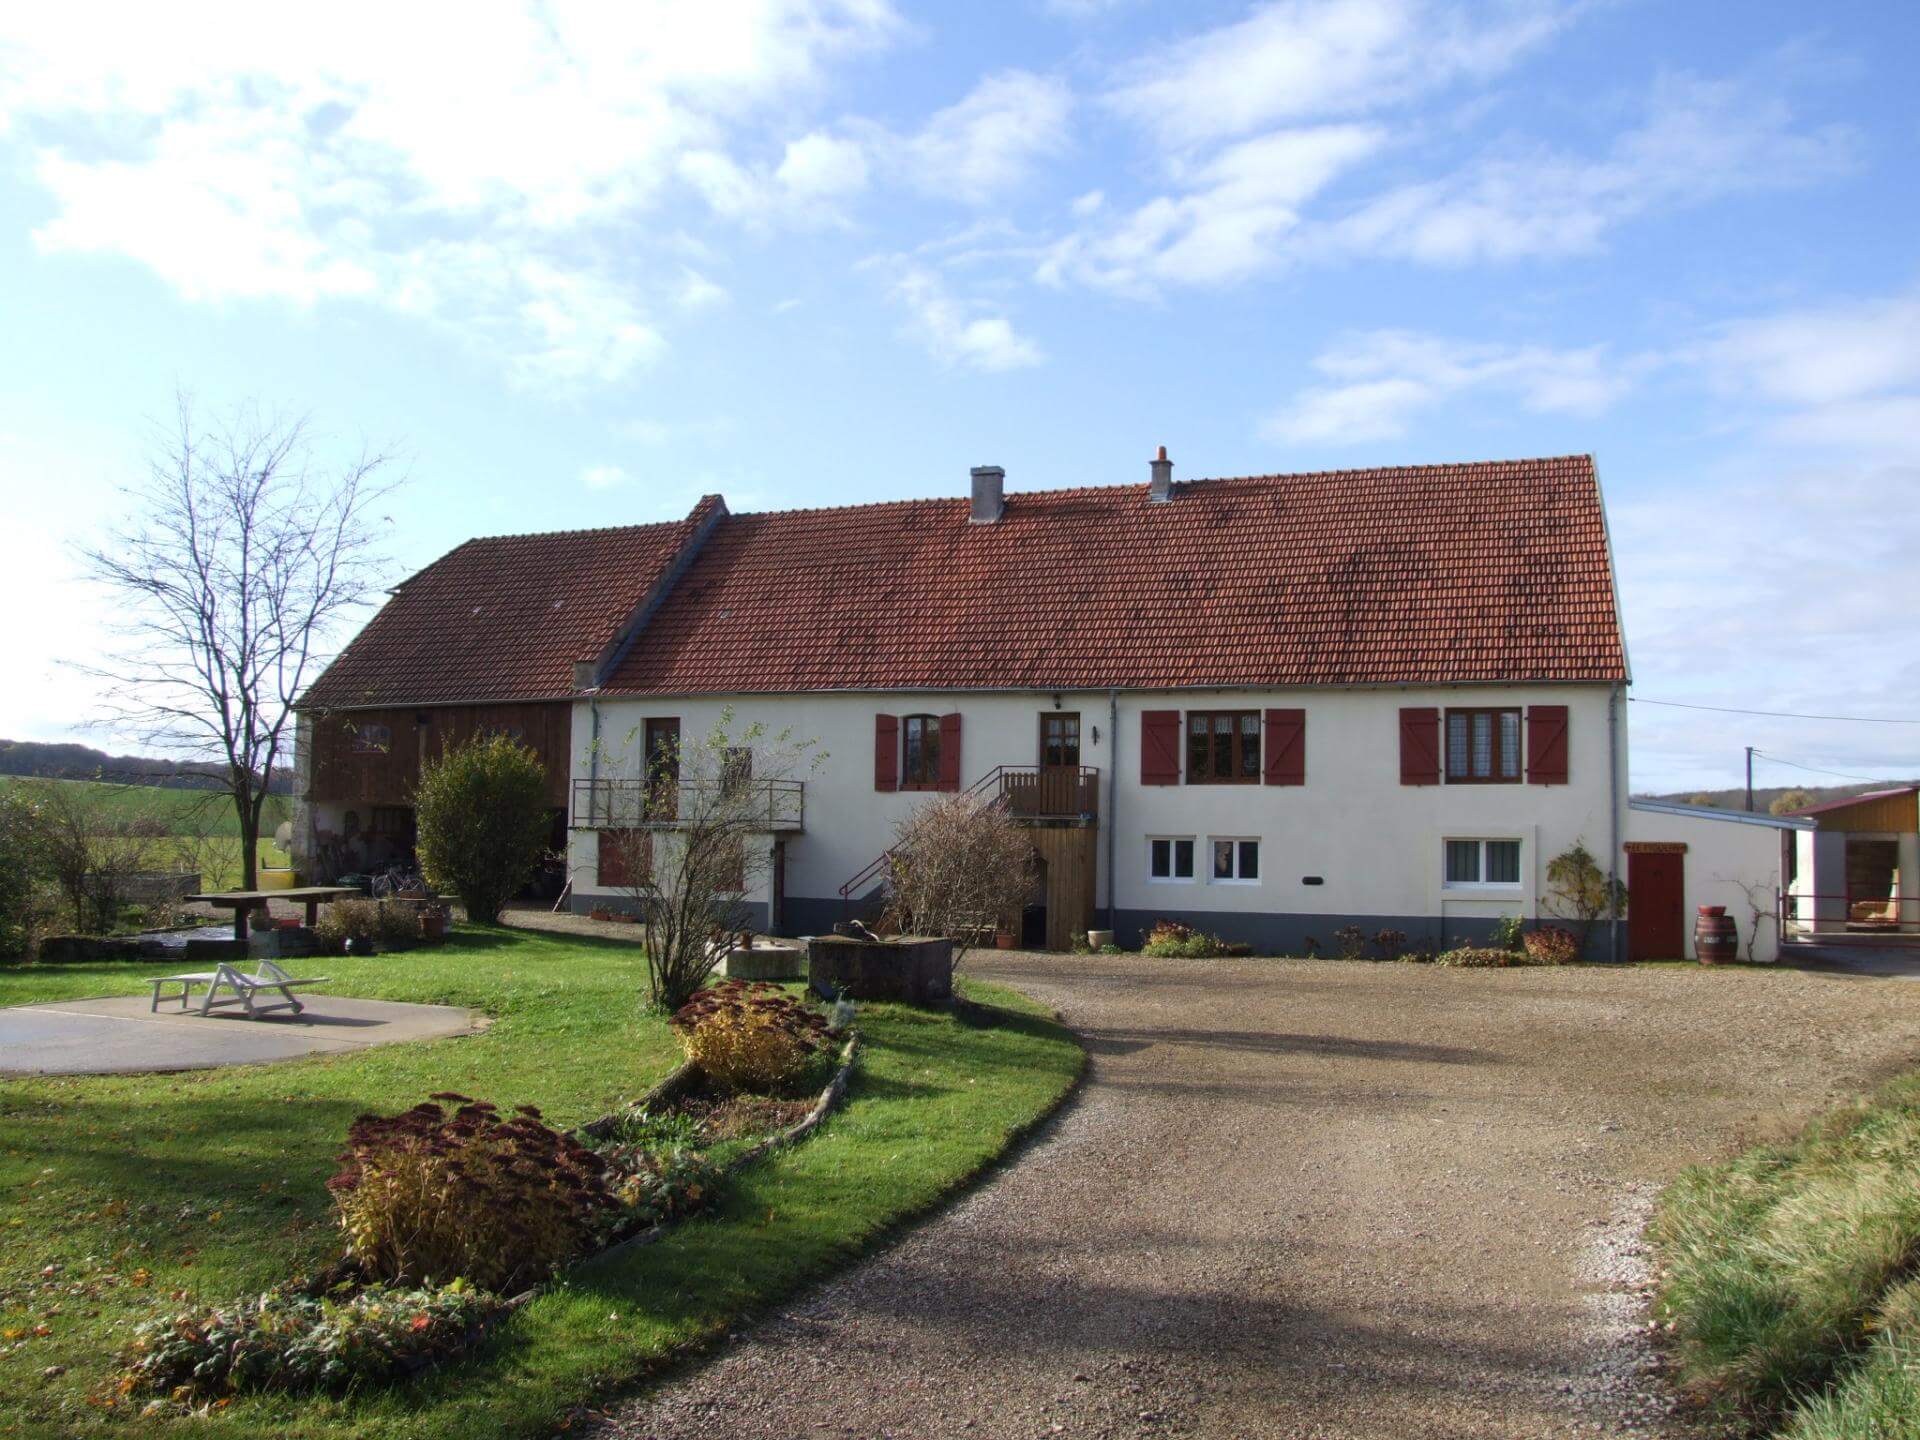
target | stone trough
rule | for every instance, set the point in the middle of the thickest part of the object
(913, 968)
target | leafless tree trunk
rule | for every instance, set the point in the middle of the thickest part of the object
(240, 558)
(692, 835)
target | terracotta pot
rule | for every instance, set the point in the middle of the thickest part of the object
(1714, 910)
(1005, 939)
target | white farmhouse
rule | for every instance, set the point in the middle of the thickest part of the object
(1273, 707)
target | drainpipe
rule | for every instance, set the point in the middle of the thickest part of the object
(1613, 823)
(1113, 795)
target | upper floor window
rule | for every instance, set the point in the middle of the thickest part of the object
(1223, 747)
(920, 752)
(371, 739)
(1059, 738)
(1483, 747)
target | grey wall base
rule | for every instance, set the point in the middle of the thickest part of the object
(1288, 934)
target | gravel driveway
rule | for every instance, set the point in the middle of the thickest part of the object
(1311, 1199)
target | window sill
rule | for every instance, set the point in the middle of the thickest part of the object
(1247, 780)
(1170, 880)
(1217, 881)
(1490, 890)
(1483, 780)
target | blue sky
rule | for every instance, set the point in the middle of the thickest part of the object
(582, 263)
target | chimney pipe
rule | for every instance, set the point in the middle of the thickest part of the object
(989, 499)
(1161, 468)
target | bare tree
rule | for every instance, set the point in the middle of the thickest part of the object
(1763, 908)
(241, 557)
(690, 836)
(961, 866)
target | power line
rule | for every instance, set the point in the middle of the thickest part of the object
(1817, 770)
(1772, 714)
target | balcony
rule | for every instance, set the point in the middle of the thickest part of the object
(777, 805)
(1049, 792)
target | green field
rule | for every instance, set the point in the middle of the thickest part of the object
(203, 817)
(146, 1193)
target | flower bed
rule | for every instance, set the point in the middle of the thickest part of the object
(429, 1199)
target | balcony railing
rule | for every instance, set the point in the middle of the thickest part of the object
(1048, 792)
(643, 804)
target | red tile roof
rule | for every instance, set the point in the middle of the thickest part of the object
(504, 618)
(1427, 574)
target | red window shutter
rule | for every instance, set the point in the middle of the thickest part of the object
(1546, 744)
(1419, 745)
(886, 752)
(1285, 742)
(617, 849)
(1159, 747)
(950, 752)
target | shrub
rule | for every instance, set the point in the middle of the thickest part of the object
(1552, 945)
(346, 920)
(1476, 957)
(960, 865)
(427, 1196)
(1509, 932)
(1183, 942)
(1580, 891)
(749, 1036)
(656, 1186)
(398, 924)
(23, 863)
(1353, 942)
(280, 1341)
(482, 815)
(1390, 943)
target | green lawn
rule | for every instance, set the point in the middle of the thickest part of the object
(1789, 1276)
(210, 1185)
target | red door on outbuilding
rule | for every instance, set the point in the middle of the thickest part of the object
(1656, 904)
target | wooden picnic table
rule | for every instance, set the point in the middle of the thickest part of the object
(241, 901)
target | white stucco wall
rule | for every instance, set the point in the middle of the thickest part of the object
(1376, 844)
(1725, 855)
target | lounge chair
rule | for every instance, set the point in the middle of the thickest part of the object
(269, 977)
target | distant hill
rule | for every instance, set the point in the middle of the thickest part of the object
(82, 762)
(1764, 795)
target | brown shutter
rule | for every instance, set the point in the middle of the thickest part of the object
(1159, 747)
(1546, 744)
(950, 752)
(1285, 740)
(886, 752)
(616, 849)
(1419, 745)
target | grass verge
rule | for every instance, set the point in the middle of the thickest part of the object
(1788, 1275)
(147, 1191)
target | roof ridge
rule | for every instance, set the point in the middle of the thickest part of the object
(1116, 486)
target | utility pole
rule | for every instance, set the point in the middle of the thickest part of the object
(1749, 779)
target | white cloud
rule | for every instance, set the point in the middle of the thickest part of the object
(242, 154)
(697, 292)
(1089, 203)
(822, 166)
(962, 333)
(1382, 379)
(603, 477)
(1701, 139)
(1240, 205)
(990, 141)
(1294, 60)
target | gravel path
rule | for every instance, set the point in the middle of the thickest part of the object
(1311, 1199)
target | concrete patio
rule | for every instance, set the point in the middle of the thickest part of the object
(119, 1035)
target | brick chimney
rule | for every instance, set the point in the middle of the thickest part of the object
(989, 497)
(1161, 468)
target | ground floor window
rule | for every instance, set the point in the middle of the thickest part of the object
(1170, 858)
(1483, 862)
(1236, 860)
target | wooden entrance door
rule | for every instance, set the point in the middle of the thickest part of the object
(1656, 906)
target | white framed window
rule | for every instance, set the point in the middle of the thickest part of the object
(1480, 864)
(1233, 860)
(1170, 859)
